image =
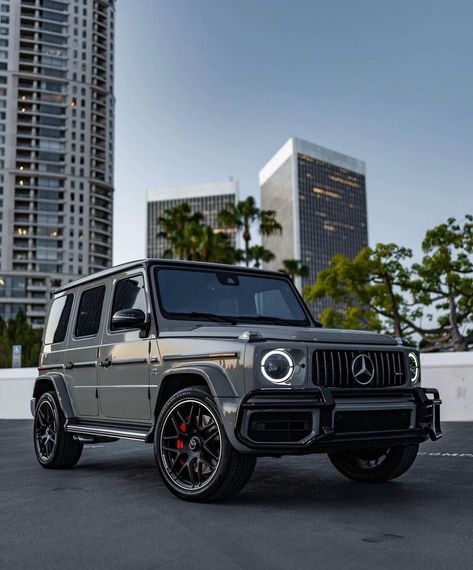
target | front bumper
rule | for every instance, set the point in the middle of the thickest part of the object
(321, 420)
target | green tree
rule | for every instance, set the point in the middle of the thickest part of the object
(180, 226)
(242, 216)
(381, 289)
(294, 268)
(18, 331)
(370, 290)
(259, 254)
(444, 281)
(190, 239)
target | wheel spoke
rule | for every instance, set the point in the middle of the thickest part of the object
(210, 452)
(189, 417)
(190, 468)
(211, 436)
(206, 463)
(170, 449)
(168, 437)
(176, 426)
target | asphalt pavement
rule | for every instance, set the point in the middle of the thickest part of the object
(112, 511)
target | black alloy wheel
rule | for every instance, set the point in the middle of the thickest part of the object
(54, 447)
(196, 460)
(374, 465)
(191, 444)
(45, 430)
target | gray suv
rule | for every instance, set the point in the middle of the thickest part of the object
(218, 365)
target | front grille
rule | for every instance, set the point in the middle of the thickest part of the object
(373, 420)
(333, 368)
(279, 426)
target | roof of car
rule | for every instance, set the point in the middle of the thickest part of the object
(156, 261)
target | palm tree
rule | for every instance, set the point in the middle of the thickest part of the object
(180, 226)
(189, 238)
(260, 254)
(214, 246)
(294, 268)
(242, 215)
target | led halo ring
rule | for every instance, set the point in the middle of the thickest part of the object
(413, 357)
(289, 360)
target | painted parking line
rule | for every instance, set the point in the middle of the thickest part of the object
(445, 454)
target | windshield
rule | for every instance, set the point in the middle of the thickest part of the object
(224, 296)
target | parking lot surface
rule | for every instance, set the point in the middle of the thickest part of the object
(112, 511)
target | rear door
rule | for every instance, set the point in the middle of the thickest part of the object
(124, 370)
(82, 351)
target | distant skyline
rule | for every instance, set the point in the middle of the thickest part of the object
(211, 89)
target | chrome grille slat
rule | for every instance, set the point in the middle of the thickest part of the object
(332, 368)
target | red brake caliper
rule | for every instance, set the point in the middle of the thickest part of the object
(180, 442)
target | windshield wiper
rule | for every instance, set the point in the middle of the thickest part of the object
(208, 316)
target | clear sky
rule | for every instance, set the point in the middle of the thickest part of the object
(208, 89)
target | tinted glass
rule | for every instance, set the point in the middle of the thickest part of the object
(58, 319)
(129, 294)
(241, 296)
(90, 310)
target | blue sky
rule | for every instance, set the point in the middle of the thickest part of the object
(208, 89)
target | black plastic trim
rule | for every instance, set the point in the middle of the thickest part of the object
(325, 400)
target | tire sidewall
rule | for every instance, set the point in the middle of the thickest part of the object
(201, 395)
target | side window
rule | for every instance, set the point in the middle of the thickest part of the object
(90, 311)
(58, 319)
(129, 294)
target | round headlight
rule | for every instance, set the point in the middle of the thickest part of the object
(277, 366)
(414, 367)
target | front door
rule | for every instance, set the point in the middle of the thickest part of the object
(124, 360)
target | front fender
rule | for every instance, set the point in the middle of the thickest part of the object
(215, 377)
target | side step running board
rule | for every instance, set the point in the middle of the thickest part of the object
(107, 432)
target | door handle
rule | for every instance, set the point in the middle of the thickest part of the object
(69, 366)
(105, 363)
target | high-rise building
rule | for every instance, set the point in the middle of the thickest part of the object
(56, 147)
(319, 196)
(209, 199)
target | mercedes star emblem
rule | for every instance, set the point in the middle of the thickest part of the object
(362, 369)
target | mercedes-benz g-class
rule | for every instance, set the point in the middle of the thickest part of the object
(218, 365)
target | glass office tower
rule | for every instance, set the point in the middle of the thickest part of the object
(320, 199)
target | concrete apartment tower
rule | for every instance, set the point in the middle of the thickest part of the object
(209, 199)
(320, 199)
(56, 147)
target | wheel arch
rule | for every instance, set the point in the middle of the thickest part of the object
(178, 378)
(53, 382)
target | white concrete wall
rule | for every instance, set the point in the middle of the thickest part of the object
(450, 373)
(16, 389)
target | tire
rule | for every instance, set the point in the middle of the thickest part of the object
(375, 465)
(54, 447)
(195, 459)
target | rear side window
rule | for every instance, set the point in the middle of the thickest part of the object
(58, 319)
(129, 294)
(90, 311)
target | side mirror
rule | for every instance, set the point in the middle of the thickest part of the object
(129, 319)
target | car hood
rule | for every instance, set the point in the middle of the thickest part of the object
(269, 332)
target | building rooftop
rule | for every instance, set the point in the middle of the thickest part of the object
(299, 146)
(193, 191)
